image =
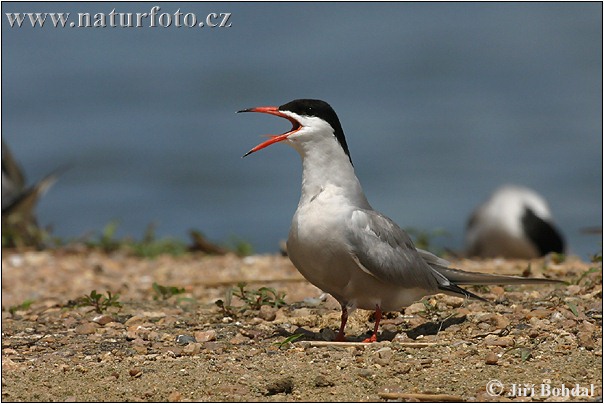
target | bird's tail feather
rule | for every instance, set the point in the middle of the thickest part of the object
(474, 278)
(453, 289)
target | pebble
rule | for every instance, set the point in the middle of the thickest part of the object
(86, 329)
(239, 339)
(267, 313)
(285, 385)
(415, 308)
(103, 319)
(383, 356)
(205, 336)
(135, 372)
(184, 339)
(322, 381)
(493, 340)
(586, 339)
(365, 373)
(491, 359)
(192, 348)
(135, 320)
(539, 313)
(174, 397)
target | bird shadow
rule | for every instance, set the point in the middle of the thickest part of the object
(327, 334)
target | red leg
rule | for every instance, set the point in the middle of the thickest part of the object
(344, 319)
(378, 317)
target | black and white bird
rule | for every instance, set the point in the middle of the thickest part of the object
(339, 243)
(515, 222)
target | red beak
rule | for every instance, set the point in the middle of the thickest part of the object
(273, 138)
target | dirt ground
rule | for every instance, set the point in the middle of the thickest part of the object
(539, 343)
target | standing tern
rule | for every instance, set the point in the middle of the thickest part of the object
(514, 223)
(339, 243)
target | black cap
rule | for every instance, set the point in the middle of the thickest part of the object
(320, 109)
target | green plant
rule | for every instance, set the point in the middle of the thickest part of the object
(288, 340)
(254, 299)
(151, 247)
(23, 306)
(240, 247)
(584, 274)
(166, 292)
(99, 302)
(573, 308)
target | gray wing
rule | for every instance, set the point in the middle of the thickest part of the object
(385, 251)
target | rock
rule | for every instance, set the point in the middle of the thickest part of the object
(184, 339)
(327, 334)
(205, 336)
(491, 359)
(285, 385)
(539, 313)
(86, 329)
(135, 320)
(135, 372)
(174, 397)
(365, 373)
(322, 381)
(383, 355)
(239, 339)
(103, 319)
(267, 313)
(586, 340)
(493, 340)
(140, 349)
(191, 349)
(415, 308)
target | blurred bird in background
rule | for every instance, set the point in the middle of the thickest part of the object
(515, 222)
(19, 224)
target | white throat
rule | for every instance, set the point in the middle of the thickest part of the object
(326, 165)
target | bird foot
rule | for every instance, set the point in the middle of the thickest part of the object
(373, 338)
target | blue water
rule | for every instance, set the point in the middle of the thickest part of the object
(441, 103)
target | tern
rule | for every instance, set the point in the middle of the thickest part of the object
(339, 243)
(514, 223)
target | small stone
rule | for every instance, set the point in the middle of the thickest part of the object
(192, 348)
(205, 336)
(586, 340)
(383, 356)
(267, 313)
(322, 381)
(103, 319)
(285, 385)
(135, 320)
(140, 349)
(327, 334)
(539, 313)
(415, 308)
(174, 397)
(491, 359)
(135, 372)
(184, 339)
(86, 329)
(365, 373)
(402, 337)
(493, 340)
(239, 339)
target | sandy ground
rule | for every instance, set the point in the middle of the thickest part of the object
(529, 344)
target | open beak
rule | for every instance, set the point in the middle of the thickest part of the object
(273, 138)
